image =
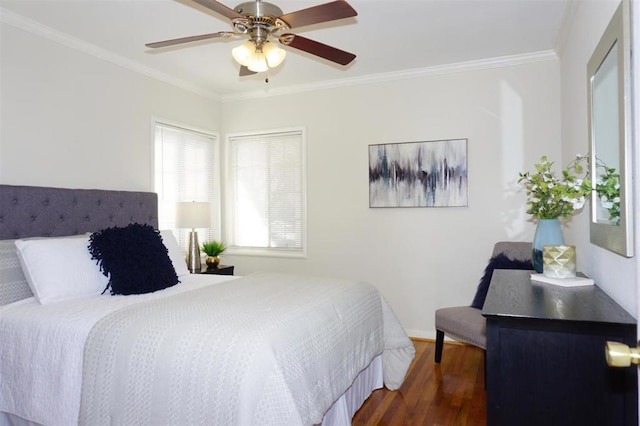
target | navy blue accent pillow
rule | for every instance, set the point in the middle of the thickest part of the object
(134, 258)
(499, 261)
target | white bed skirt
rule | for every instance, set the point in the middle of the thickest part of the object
(340, 413)
(368, 380)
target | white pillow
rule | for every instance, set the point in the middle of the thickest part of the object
(60, 268)
(175, 254)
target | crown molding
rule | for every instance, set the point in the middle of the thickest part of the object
(570, 10)
(503, 61)
(36, 28)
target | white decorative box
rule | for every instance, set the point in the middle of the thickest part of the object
(564, 282)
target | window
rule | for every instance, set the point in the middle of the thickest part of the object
(266, 206)
(186, 168)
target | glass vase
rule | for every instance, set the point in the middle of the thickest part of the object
(548, 232)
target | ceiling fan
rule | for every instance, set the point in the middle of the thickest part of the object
(264, 24)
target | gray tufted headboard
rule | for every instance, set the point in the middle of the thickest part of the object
(33, 211)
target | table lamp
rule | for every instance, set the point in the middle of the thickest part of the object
(192, 214)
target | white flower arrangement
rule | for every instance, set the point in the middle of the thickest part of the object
(551, 197)
(608, 190)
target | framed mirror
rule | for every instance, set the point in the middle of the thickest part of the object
(609, 90)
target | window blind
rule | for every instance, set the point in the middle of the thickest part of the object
(186, 169)
(268, 189)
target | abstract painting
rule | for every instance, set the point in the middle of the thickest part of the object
(418, 174)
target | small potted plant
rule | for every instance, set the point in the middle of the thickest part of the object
(213, 249)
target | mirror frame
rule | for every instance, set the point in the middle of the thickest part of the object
(617, 238)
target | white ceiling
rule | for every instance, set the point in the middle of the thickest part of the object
(388, 37)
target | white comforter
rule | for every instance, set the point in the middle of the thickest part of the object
(41, 354)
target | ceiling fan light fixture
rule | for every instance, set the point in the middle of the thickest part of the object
(274, 54)
(243, 54)
(258, 62)
(263, 22)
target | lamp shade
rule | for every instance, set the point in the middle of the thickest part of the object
(258, 62)
(242, 54)
(274, 54)
(192, 214)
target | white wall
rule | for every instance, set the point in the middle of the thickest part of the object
(617, 275)
(421, 258)
(69, 119)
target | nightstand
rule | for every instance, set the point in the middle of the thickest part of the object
(221, 270)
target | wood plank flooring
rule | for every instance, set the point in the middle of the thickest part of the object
(451, 393)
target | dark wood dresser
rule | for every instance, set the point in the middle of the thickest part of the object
(546, 355)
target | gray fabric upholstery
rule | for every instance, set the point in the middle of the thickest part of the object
(520, 250)
(30, 211)
(463, 323)
(466, 324)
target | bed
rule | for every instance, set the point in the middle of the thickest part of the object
(261, 349)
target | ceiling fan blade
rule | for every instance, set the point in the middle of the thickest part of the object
(322, 13)
(246, 71)
(189, 39)
(219, 8)
(316, 48)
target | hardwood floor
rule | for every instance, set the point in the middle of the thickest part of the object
(446, 394)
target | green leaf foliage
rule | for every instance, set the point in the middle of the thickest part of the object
(552, 197)
(213, 248)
